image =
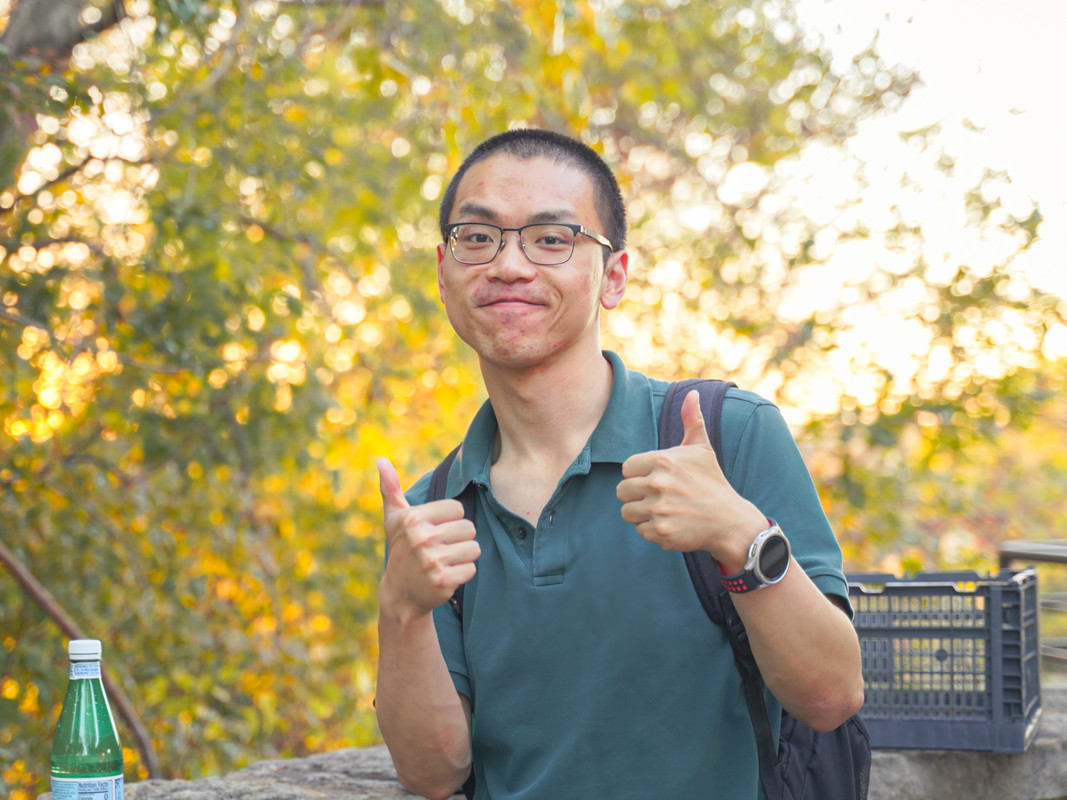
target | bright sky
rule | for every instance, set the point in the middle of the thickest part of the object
(995, 64)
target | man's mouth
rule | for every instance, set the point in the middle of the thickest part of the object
(509, 302)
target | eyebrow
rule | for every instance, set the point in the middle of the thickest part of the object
(486, 213)
(476, 210)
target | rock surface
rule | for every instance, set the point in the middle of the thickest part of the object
(355, 773)
(366, 773)
(1038, 774)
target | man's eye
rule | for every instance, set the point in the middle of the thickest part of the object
(473, 238)
(554, 243)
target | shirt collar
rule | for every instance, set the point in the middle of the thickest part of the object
(628, 426)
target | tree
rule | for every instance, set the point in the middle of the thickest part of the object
(218, 304)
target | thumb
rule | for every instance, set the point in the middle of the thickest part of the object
(693, 421)
(389, 482)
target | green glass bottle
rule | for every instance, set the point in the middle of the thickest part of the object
(86, 754)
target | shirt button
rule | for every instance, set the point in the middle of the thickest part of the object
(522, 533)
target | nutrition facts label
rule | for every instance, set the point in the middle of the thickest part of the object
(87, 788)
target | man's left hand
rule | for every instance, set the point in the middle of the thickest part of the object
(679, 498)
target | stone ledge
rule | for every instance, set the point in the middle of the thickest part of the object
(366, 773)
(1038, 774)
(354, 773)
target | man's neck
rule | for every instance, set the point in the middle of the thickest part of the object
(547, 414)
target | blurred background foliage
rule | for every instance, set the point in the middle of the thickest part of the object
(218, 306)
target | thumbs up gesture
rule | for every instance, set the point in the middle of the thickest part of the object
(679, 499)
(431, 547)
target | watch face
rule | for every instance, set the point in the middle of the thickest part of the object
(774, 558)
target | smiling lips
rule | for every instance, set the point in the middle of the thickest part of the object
(510, 301)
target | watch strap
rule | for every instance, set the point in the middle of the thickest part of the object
(741, 582)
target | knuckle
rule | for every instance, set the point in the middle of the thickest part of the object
(420, 539)
(439, 580)
(434, 572)
(659, 509)
(663, 532)
(407, 519)
(663, 459)
(659, 482)
(428, 562)
(661, 529)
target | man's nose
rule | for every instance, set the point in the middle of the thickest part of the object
(511, 263)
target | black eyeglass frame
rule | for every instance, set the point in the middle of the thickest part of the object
(574, 227)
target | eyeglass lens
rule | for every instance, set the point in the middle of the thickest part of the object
(474, 243)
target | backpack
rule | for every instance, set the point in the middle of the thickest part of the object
(808, 764)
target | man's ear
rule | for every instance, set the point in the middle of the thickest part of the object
(440, 279)
(613, 283)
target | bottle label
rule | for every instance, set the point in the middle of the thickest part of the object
(84, 669)
(87, 788)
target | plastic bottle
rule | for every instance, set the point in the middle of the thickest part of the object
(86, 754)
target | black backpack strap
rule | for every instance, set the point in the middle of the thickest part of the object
(757, 705)
(712, 393)
(704, 572)
(439, 478)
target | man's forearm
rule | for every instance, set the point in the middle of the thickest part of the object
(424, 721)
(807, 650)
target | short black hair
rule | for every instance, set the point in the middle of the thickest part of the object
(536, 142)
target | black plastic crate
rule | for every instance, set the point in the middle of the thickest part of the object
(950, 659)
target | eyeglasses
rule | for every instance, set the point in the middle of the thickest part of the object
(546, 244)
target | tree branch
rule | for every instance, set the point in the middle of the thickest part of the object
(49, 29)
(25, 322)
(158, 369)
(53, 609)
(62, 176)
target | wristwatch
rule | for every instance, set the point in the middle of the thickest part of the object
(768, 562)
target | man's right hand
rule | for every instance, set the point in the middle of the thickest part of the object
(432, 549)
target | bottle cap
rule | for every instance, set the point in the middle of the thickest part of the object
(84, 649)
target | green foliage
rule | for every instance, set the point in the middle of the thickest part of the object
(944, 493)
(218, 304)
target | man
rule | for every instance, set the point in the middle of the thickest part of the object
(584, 666)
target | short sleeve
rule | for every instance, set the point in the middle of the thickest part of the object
(764, 464)
(450, 639)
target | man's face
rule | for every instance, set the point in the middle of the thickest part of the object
(512, 312)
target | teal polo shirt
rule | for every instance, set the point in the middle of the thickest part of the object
(591, 667)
